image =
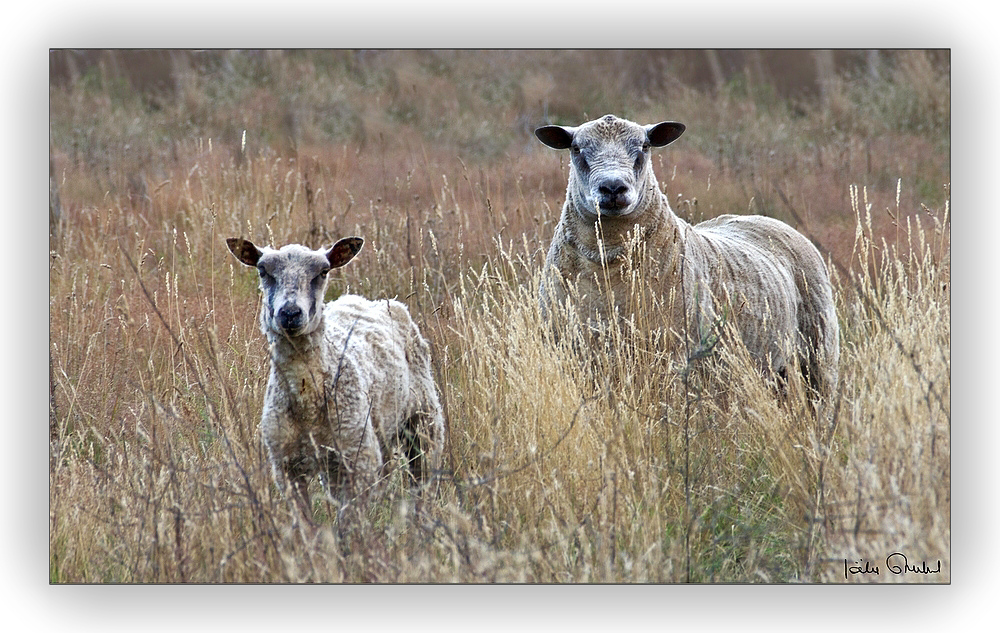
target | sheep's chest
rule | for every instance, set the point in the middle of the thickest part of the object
(296, 407)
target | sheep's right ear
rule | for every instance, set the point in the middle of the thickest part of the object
(556, 136)
(664, 133)
(344, 251)
(244, 250)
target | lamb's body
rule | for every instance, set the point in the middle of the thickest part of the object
(350, 382)
(762, 275)
(374, 369)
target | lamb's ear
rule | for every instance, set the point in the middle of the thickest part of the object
(344, 251)
(664, 133)
(556, 136)
(244, 250)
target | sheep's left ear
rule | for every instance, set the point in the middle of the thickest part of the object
(344, 251)
(664, 133)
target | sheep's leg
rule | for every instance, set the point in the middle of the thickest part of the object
(296, 491)
(819, 355)
(361, 457)
(412, 446)
(425, 436)
(293, 486)
(300, 496)
(332, 479)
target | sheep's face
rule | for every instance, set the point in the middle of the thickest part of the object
(293, 281)
(610, 174)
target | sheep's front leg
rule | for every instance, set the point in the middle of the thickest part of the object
(361, 456)
(293, 486)
(300, 494)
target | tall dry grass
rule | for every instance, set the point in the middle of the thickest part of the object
(625, 461)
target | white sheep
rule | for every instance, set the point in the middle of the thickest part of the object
(350, 382)
(753, 271)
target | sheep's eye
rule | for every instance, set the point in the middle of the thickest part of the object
(262, 271)
(645, 146)
(321, 276)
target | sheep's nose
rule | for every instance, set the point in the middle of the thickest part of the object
(612, 189)
(290, 316)
(612, 195)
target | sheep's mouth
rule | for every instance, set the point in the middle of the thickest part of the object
(616, 211)
(616, 208)
(615, 204)
(289, 330)
(600, 211)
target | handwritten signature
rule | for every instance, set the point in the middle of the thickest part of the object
(895, 563)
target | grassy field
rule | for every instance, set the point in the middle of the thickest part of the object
(624, 465)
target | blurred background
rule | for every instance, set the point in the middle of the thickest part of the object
(779, 132)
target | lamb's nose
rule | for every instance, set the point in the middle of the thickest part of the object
(290, 316)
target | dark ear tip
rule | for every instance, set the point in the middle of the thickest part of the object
(355, 243)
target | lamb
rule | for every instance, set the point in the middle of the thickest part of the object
(753, 271)
(350, 381)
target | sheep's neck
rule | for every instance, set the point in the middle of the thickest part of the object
(296, 364)
(606, 241)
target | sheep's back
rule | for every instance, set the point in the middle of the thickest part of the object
(372, 344)
(766, 238)
(764, 266)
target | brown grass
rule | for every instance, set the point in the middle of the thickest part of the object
(623, 465)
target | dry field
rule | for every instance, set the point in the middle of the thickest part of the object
(628, 464)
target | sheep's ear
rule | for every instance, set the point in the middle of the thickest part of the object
(664, 133)
(556, 136)
(344, 251)
(244, 250)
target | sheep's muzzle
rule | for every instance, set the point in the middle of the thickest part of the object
(291, 319)
(614, 196)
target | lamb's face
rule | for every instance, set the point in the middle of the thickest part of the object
(293, 281)
(610, 162)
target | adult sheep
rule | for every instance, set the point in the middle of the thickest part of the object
(350, 382)
(756, 272)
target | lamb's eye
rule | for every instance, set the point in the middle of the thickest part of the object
(263, 272)
(645, 146)
(321, 276)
